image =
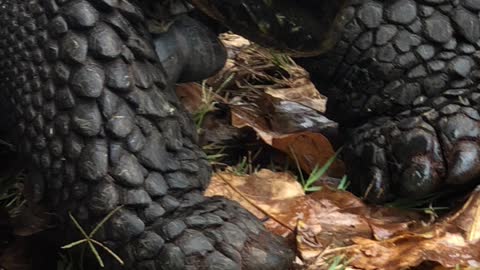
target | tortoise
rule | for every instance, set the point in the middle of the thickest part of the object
(88, 99)
(401, 77)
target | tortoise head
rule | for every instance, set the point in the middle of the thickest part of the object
(300, 27)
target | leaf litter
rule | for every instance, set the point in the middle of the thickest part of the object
(273, 98)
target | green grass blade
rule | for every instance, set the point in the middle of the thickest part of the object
(73, 244)
(344, 183)
(82, 231)
(317, 174)
(338, 263)
(302, 178)
(95, 252)
(225, 83)
(115, 256)
(313, 189)
(105, 219)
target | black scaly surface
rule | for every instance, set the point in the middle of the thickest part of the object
(100, 126)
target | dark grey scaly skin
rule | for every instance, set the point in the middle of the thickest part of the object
(402, 76)
(405, 75)
(100, 126)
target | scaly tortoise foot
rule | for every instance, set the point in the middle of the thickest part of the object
(100, 126)
(402, 78)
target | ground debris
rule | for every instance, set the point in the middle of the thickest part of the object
(330, 223)
(329, 228)
(267, 93)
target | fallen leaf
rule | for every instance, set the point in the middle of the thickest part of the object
(262, 185)
(190, 95)
(274, 97)
(280, 197)
(255, 192)
(446, 242)
(233, 41)
(289, 117)
(311, 150)
(331, 222)
(301, 91)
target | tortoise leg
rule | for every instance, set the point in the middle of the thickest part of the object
(190, 50)
(404, 78)
(417, 155)
(100, 124)
(401, 76)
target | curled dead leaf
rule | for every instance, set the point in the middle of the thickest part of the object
(448, 242)
(256, 192)
(190, 95)
(301, 91)
(310, 149)
(330, 222)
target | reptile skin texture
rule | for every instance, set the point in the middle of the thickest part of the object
(100, 126)
(403, 79)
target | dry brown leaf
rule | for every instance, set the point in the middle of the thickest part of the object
(323, 222)
(243, 116)
(410, 250)
(455, 268)
(399, 241)
(263, 84)
(310, 149)
(447, 242)
(263, 185)
(301, 91)
(332, 222)
(329, 222)
(255, 193)
(190, 95)
(234, 41)
(253, 66)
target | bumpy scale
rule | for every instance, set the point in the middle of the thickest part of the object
(405, 77)
(100, 126)
(401, 77)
